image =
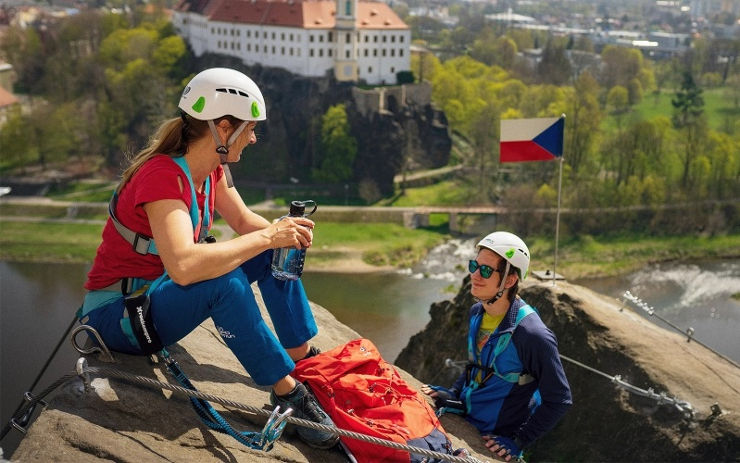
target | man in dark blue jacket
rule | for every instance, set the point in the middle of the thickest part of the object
(514, 388)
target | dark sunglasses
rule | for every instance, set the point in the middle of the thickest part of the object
(485, 270)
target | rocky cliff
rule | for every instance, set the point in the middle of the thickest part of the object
(607, 423)
(394, 126)
(125, 422)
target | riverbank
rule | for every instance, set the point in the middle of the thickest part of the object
(377, 247)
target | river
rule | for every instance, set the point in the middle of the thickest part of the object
(37, 303)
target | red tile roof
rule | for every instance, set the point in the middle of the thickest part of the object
(6, 98)
(308, 14)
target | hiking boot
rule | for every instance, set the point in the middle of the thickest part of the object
(306, 407)
(312, 352)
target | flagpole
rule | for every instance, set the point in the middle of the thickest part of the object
(557, 222)
(557, 215)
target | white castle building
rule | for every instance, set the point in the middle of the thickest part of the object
(354, 39)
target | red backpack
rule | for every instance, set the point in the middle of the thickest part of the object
(363, 393)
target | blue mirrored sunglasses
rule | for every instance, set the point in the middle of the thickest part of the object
(485, 270)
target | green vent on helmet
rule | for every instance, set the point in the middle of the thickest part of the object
(199, 105)
(510, 253)
(255, 109)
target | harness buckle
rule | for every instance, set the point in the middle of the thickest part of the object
(142, 249)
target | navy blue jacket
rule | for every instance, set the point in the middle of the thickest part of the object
(502, 407)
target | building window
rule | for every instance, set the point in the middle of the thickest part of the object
(383, 51)
(273, 49)
(321, 52)
(321, 38)
(249, 47)
(370, 70)
(282, 36)
(264, 49)
(385, 38)
(331, 52)
(310, 38)
(330, 37)
(212, 31)
(366, 52)
(249, 33)
(375, 52)
(347, 8)
(393, 70)
(291, 37)
(375, 39)
(291, 51)
(393, 52)
(400, 52)
(393, 38)
(346, 54)
(367, 38)
(310, 52)
(273, 36)
(282, 50)
(349, 37)
(401, 38)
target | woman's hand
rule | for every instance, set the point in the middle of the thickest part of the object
(290, 232)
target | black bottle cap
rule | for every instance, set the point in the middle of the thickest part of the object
(297, 208)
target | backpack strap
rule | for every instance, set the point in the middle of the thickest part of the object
(501, 345)
(143, 244)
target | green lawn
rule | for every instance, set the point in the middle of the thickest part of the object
(48, 242)
(718, 107)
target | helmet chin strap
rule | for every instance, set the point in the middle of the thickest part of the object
(501, 288)
(223, 150)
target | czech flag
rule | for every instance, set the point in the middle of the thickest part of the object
(532, 139)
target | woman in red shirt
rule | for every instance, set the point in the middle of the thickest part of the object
(186, 162)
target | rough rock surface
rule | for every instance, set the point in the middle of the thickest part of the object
(124, 422)
(607, 423)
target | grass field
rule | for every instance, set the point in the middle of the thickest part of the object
(718, 107)
(394, 245)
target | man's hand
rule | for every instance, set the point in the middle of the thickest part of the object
(445, 399)
(504, 448)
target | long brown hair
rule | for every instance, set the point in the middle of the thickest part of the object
(171, 138)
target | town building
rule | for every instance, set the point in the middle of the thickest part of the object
(354, 40)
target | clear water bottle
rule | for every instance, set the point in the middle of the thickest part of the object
(287, 263)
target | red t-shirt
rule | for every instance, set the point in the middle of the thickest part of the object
(155, 180)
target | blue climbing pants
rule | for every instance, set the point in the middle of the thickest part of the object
(230, 302)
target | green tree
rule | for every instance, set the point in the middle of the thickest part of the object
(483, 136)
(584, 118)
(634, 92)
(24, 50)
(688, 116)
(620, 65)
(554, 67)
(338, 147)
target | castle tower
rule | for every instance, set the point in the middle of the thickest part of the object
(345, 57)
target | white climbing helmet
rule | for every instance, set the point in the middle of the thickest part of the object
(218, 92)
(510, 247)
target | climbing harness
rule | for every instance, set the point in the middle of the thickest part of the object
(137, 304)
(487, 371)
